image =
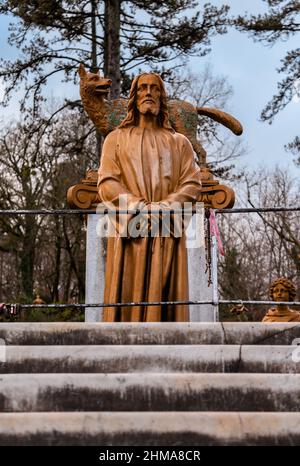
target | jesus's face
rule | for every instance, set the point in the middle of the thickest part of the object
(148, 94)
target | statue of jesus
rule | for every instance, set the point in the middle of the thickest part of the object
(154, 166)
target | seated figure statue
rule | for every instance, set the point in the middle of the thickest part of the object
(282, 290)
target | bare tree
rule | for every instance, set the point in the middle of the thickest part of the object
(114, 35)
(38, 164)
(260, 247)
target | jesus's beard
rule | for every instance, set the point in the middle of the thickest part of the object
(149, 108)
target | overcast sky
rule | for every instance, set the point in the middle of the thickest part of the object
(251, 70)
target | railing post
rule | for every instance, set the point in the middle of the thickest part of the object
(199, 289)
(214, 277)
(95, 269)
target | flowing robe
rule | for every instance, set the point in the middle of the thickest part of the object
(148, 166)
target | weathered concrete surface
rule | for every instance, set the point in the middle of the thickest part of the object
(158, 358)
(150, 429)
(198, 277)
(150, 384)
(95, 268)
(77, 333)
(270, 359)
(149, 392)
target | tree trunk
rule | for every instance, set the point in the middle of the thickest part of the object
(112, 45)
(58, 247)
(72, 253)
(94, 61)
(27, 256)
(95, 68)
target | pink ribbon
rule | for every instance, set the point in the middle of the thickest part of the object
(215, 231)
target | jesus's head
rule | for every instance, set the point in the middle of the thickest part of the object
(147, 96)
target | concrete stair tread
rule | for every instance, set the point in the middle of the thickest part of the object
(148, 428)
(149, 391)
(149, 384)
(78, 333)
(151, 358)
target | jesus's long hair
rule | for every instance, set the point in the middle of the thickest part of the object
(132, 116)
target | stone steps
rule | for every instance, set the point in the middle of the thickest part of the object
(149, 392)
(76, 333)
(150, 428)
(183, 384)
(150, 358)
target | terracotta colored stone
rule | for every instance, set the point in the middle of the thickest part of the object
(38, 300)
(282, 290)
(154, 166)
(183, 116)
(214, 195)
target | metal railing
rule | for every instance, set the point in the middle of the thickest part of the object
(137, 211)
(154, 303)
(214, 302)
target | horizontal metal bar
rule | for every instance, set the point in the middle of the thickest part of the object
(138, 303)
(259, 209)
(100, 212)
(137, 211)
(46, 212)
(157, 303)
(264, 303)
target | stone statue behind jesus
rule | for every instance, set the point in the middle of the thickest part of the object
(145, 160)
